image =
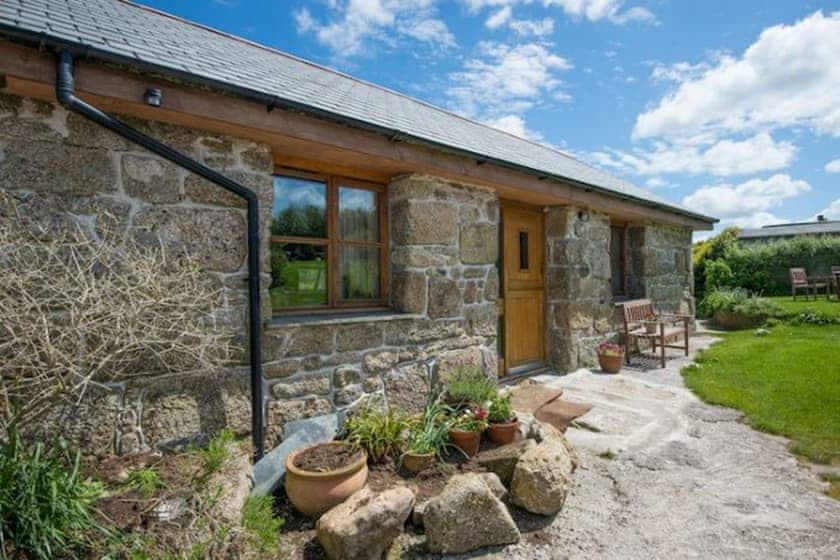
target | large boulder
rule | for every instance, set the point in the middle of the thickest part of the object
(542, 478)
(467, 516)
(365, 525)
(546, 432)
(502, 460)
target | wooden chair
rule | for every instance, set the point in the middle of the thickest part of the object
(639, 313)
(799, 280)
(835, 274)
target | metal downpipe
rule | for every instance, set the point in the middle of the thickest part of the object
(65, 92)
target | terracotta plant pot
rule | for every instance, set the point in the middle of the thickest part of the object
(313, 493)
(468, 442)
(416, 462)
(610, 364)
(503, 432)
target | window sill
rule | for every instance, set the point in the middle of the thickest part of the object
(339, 318)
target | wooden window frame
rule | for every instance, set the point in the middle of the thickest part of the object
(333, 243)
(622, 258)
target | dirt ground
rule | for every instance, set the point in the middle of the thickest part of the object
(688, 480)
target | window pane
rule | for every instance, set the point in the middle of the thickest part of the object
(300, 207)
(298, 275)
(357, 215)
(523, 251)
(359, 269)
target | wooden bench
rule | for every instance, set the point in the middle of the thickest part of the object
(641, 322)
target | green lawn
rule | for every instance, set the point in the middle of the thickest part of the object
(821, 305)
(787, 382)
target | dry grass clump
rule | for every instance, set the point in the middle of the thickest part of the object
(77, 312)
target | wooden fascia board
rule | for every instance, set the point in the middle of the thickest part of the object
(30, 72)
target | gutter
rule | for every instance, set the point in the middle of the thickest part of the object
(274, 102)
(65, 92)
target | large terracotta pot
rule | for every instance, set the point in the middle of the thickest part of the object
(610, 364)
(468, 442)
(503, 433)
(416, 462)
(313, 493)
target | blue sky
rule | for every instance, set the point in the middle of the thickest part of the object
(730, 108)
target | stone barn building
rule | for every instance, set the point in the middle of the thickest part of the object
(398, 240)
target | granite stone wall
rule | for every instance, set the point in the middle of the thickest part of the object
(443, 287)
(64, 171)
(578, 295)
(660, 268)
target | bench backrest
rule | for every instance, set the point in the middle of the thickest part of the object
(636, 311)
(798, 277)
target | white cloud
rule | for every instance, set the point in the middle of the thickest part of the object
(514, 124)
(655, 183)
(523, 27)
(701, 155)
(832, 211)
(678, 72)
(505, 80)
(833, 166)
(596, 10)
(353, 22)
(535, 27)
(592, 10)
(789, 76)
(757, 220)
(745, 200)
(499, 18)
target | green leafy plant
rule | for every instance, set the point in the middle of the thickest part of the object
(430, 433)
(469, 385)
(47, 508)
(470, 420)
(145, 481)
(501, 410)
(722, 300)
(216, 453)
(261, 527)
(380, 432)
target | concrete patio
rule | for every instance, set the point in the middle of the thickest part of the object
(687, 480)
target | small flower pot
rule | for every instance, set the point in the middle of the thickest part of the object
(313, 493)
(503, 433)
(467, 442)
(610, 364)
(416, 462)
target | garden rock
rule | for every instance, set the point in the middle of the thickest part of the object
(494, 484)
(546, 432)
(542, 478)
(503, 460)
(365, 525)
(467, 516)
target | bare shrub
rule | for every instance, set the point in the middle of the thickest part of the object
(76, 312)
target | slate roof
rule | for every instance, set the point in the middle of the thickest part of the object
(830, 227)
(123, 32)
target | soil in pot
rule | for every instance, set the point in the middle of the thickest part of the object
(468, 442)
(503, 433)
(322, 476)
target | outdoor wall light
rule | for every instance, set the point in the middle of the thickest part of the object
(153, 97)
(583, 216)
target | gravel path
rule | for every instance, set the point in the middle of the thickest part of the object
(689, 480)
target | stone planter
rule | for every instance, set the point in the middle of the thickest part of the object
(504, 432)
(416, 462)
(610, 363)
(313, 493)
(468, 442)
(733, 321)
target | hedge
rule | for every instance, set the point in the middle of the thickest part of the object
(763, 267)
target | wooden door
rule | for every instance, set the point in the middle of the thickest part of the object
(523, 283)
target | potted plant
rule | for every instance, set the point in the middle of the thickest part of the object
(465, 429)
(427, 438)
(320, 477)
(380, 432)
(503, 421)
(469, 386)
(610, 357)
